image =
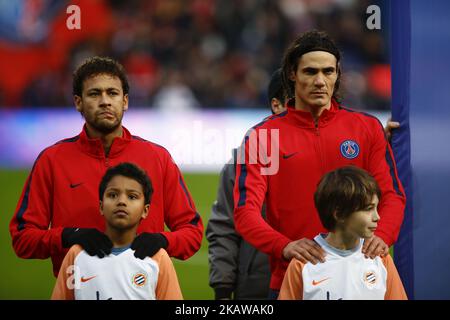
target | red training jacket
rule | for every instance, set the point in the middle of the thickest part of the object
(306, 152)
(62, 191)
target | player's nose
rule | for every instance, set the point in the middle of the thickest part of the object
(105, 99)
(319, 80)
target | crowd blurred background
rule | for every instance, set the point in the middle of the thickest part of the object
(185, 54)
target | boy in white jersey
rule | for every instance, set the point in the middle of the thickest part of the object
(125, 193)
(347, 200)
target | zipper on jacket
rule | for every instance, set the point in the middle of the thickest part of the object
(319, 147)
(106, 155)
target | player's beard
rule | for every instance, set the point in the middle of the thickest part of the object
(104, 126)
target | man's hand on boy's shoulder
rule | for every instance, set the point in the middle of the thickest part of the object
(375, 246)
(148, 244)
(94, 242)
(305, 250)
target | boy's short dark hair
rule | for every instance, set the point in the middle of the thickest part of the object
(309, 41)
(344, 191)
(95, 66)
(131, 171)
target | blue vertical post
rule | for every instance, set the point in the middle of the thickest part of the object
(400, 66)
(421, 102)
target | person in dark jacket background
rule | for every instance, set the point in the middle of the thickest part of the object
(236, 269)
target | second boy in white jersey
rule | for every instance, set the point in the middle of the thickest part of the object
(347, 200)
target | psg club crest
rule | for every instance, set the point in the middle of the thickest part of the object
(349, 149)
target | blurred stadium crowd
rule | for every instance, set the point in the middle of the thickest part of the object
(185, 54)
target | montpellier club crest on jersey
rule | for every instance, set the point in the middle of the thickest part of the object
(370, 279)
(139, 279)
(349, 149)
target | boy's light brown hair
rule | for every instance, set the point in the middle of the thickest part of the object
(344, 191)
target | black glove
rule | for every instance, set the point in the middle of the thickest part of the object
(94, 242)
(147, 244)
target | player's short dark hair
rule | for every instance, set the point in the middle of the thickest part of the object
(309, 41)
(131, 171)
(96, 66)
(344, 191)
(275, 88)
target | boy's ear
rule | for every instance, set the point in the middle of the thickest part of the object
(336, 217)
(145, 213)
(101, 207)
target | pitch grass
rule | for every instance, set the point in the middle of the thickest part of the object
(33, 279)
